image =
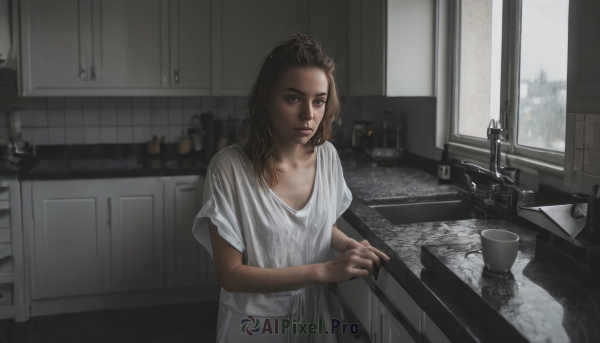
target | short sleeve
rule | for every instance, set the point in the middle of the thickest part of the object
(218, 200)
(343, 196)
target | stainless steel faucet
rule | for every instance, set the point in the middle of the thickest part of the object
(498, 185)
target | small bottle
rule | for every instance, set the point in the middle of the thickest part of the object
(444, 166)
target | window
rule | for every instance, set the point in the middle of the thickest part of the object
(510, 64)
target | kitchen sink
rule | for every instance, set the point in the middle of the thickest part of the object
(429, 212)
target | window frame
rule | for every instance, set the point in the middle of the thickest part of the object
(534, 158)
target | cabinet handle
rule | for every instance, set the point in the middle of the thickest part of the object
(176, 76)
(110, 212)
(93, 74)
(82, 74)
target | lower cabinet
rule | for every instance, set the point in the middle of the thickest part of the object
(385, 328)
(188, 262)
(108, 235)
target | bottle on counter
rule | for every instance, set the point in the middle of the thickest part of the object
(444, 166)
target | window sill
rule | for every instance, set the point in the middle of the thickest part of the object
(528, 164)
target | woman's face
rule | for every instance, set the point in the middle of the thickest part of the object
(297, 105)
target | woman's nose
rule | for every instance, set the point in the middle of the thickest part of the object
(307, 111)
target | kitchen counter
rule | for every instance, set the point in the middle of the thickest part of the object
(109, 161)
(538, 302)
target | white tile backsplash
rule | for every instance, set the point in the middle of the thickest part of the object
(56, 102)
(91, 102)
(592, 132)
(192, 102)
(125, 134)
(74, 135)
(142, 102)
(124, 102)
(91, 135)
(160, 117)
(73, 102)
(56, 136)
(73, 117)
(124, 117)
(40, 136)
(175, 116)
(93, 120)
(142, 134)
(108, 134)
(108, 117)
(108, 102)
(56, 117)
(91, 117)
(591, 162)
(141, 116)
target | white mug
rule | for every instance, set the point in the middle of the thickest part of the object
(499, 249)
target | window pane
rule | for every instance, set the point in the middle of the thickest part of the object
(543, 74)
(480, 59)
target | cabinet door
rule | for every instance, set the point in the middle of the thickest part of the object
(243, 32)
(329, 24)
(194, 264)
(366, 47)
(190, 45)
(127, 50)
(70, 241)
(393, 331)
(54, 38)
(399, 297)
(357, 292)
(137, 234)
(431, 331)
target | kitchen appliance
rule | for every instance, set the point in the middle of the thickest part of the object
(195, 133)
(388, 140)
(361, 135)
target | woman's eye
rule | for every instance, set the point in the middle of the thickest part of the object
(320, 102)
(293, 99)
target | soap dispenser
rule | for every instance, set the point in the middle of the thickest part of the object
(444, 166)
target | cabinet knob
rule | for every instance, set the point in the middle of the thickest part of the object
(176, 76)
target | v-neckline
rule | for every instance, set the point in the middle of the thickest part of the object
(314, 187)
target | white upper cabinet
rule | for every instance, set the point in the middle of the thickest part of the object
(216, 47)
(243, 32)
(189, 41)
(126, 44)
(391, 47)
(54, 45)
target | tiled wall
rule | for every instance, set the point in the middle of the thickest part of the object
(584, 160)
(92, 120)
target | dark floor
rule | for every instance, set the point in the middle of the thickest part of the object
(187, 323)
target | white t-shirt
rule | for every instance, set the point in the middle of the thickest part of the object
(270, 234)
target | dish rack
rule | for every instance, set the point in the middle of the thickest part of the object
(11, 251)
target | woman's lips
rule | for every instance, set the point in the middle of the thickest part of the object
(305, 131)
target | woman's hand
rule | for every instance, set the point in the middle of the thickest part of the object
(358, 259)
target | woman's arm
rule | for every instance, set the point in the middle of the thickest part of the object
(237, 277)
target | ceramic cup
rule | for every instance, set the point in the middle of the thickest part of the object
(499, 249)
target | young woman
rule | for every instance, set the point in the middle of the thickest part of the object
(271, 203)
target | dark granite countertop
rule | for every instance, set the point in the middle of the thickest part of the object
(539, 302)
(109, 161)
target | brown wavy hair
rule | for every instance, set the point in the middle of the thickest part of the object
(297, 51)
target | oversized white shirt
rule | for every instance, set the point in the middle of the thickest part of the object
(269, 233)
